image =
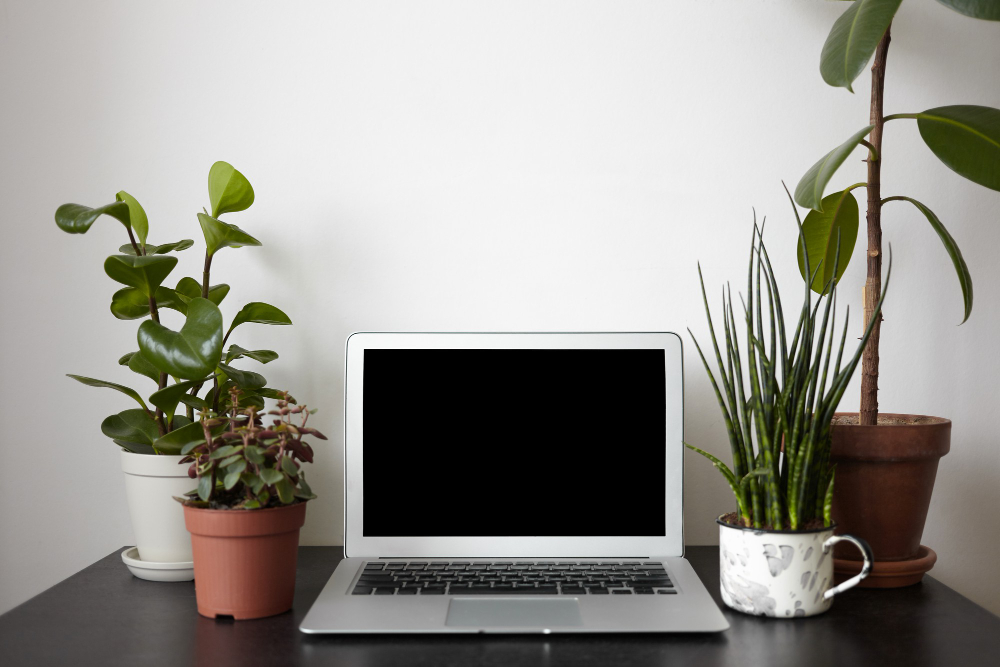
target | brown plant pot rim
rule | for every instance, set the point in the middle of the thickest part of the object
(244, 523)
(771, 531)
(928, 439)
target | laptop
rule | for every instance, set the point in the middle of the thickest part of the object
(513, 483)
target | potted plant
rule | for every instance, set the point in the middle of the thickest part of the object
(777, 394)
(245, 515)
(179, 363)
(887, 463)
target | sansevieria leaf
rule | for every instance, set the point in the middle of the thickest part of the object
(191, 353)
(219, 234)
(91, 382)
(260, 313)
(967, 139)
(822, 230)
(77, 218)
(228, 190)
(988, 10)
(144, 273)
(853, 39)
(137, 216)
(961, 268)
(809, 191)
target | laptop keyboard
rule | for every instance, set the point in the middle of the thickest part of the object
(513, 578)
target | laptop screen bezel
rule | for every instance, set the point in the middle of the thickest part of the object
(356, 544)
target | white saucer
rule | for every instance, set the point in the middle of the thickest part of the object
(151, 571)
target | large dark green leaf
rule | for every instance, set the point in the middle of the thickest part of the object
(137, 216)
(964, 277)
(151, 249)
(228, 190)
(977, 9)
(130, 303)
(192, 352)
(189, 288)
(261, 313)
(263, 356)
(131, 426)
(140, 364)
(91, 382)
(809, 191)
(219, 234)
(167, 398)
(134, 447)
(967, 139)
(77, 218)
(243, 379)
(144, 273)
(822, 229)
(853, 39)
(192, 433)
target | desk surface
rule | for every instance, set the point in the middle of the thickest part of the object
(104, 616)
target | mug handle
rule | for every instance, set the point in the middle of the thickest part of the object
(866, 553)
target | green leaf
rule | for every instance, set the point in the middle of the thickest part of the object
(228, 190)
(271, 476)
(254, 455)
(260, 313)
(131, 426)
(135, 447)
(137, 216)
(77, 218)
(263, 356)
(254, 482)
(251, 505)
(304, 491)
(151, 249)
(231, 478)
(988, 10)
(230, 460)
(268, 392)
(288, 465)
(189, 288)
(285, 489)
(206, 485)
(243, 379)
(124, 359)
(967, 139)
(167, 398)
(224, 451)
(809, 191)
(191, 353)
(130, 303)
(219, 234)
(91, 382)
(961, 269)
(838, 219)
(140, 364)
(194, 402)
(144, 273)
(189, 434)
(853, 39)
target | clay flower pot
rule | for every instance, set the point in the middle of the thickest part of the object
(244, 560)
(781, 573)
(885, 477)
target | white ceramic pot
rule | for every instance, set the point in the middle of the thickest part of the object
(151, 482)
(783, 574)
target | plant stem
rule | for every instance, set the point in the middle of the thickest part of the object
(155, 315)
(135, 245)
(873, 283)
(205, 274)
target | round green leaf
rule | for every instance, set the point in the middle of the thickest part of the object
(130, 303)
(261, 313)
(243, 379)
(140, 364)
(822, 229)
(191, 353)
(228, 190)
(131, 426)
(167, 398)
(967, 139)
(91, 382)
(137, 216)
(263, 356)
(853, 39)
(219, 234)
(187, 434)
(809, 191)
(151, 249)
(145, 273)
(77, 218)
(188, 288)
(988, 10)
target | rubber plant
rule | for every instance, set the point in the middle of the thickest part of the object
(183, 362)
(777, 393)
(966, 138)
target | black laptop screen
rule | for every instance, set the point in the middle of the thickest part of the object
(514, 443)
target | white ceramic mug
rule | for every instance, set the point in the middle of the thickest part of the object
(783, 574)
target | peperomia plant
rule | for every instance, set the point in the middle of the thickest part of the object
(248, 465)
(778, 396)
(965, 137)
(181, 362)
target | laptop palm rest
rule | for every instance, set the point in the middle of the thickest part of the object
(513, 613)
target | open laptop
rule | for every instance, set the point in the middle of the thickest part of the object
(513, 483)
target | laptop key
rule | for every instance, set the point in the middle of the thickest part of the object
(573, 590)
(374, 566)
(406, 591)
(361, 590)
(664, 591)
(432, 591)
(621, 591)
(385, 591)
(598, 591)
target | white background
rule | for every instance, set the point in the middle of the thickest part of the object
(463, 166)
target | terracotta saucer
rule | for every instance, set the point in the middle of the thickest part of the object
(888, 573)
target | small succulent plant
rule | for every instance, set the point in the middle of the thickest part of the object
(241, 464)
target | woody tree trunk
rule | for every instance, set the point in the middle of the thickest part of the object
(873, 283)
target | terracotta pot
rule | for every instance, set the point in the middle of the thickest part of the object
(244, 560)
(885, 476)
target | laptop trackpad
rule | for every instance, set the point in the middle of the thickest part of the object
(513, 613)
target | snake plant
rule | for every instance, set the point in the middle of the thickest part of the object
(180, 363)
(778, 391)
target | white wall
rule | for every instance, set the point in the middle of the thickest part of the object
(462, 166)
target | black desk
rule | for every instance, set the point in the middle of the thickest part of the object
(105, 616)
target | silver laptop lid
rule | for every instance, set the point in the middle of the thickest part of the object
(513, 445)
